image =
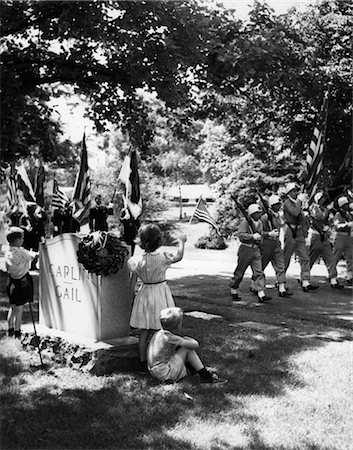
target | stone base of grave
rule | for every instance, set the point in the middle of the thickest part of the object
(99, 358)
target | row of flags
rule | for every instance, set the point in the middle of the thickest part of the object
(81, 197)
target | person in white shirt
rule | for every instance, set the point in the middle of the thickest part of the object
(20, 284)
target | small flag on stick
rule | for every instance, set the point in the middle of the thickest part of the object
(82, 188)
(202, 214)
(59, 198)
(314, 160)
(25, 185)
(130, 177)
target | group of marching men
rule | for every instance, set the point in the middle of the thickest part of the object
(309, 231)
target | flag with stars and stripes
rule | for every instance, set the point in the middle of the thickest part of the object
(59, 198)
(314, 159)
(82, 189)
(202, 214)
(24, 184)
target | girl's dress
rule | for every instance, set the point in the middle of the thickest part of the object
(154, 293)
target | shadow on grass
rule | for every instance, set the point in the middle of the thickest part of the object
(127, 411)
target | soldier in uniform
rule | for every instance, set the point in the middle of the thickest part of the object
(250, 236)
(342, 244)
(318, 237)
(98, 215)
(295, 234)
(271, 249)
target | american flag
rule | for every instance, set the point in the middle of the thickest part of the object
(202, 214)
(11, 195)
(24, 184)
(59, 198)
(130, 177)
(82, 188)
(314, 160)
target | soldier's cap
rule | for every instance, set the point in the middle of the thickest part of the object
(342, 201)
(289, 187)
(318, 196)
(274, 199)
(254, 208)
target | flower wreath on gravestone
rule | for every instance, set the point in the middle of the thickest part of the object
(102, 253)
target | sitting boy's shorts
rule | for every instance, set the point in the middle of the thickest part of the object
(20, 291)
(173, 370)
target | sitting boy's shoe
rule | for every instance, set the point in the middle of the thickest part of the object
(11, 332)
(214, 379)
(235, 297)
(350, 282)
(142, 368)
(264, 299)
(17, 334)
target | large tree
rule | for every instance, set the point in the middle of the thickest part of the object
(106, 50)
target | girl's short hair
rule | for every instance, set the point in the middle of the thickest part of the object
(13, 234)
(150, 237)
(170, 318)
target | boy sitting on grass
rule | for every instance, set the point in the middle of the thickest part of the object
(20, 285)
(168, 352)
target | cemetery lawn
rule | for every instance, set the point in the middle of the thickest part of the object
(290, 386)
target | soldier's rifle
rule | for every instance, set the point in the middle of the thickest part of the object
(266, 208)
(243, 212)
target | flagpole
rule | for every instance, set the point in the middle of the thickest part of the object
(199, 200)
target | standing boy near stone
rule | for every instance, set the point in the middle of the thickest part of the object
(20, 285)
(295, 234)
(320, 245)
(249, 254)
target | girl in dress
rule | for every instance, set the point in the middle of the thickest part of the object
(154, 294)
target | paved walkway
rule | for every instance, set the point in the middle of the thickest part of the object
(206, 273)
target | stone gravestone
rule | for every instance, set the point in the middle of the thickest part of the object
(75, 301)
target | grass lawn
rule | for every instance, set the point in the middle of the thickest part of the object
(287, 389)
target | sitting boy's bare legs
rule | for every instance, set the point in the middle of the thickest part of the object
(192, 357)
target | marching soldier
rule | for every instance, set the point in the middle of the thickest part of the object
(271, 249)
(342, 244)
(318, 238)
(250, 236)
(294, 236)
